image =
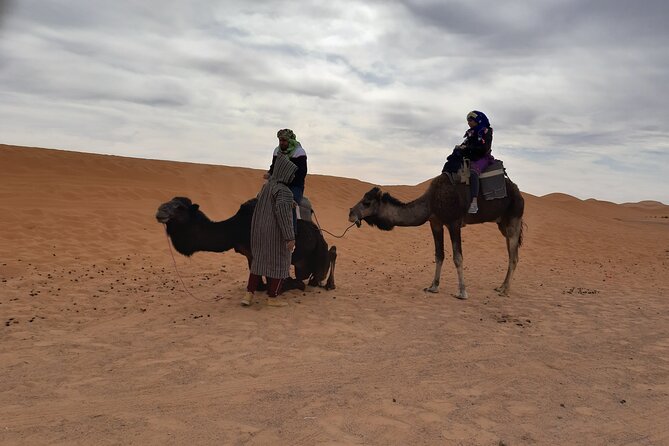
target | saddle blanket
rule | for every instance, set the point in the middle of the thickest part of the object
(492, 179)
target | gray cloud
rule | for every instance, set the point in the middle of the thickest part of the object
(5, 7)
(375, 90)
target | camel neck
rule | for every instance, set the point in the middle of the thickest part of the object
(413, 213)
(205, 235)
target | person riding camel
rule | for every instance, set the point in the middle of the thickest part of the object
(477, 147)
(291, 147)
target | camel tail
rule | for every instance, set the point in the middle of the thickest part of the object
(523, 226)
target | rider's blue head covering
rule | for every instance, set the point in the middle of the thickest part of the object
(481, 120)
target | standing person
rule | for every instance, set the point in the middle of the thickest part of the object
(272, 234)
(291, 147)
(477, 147)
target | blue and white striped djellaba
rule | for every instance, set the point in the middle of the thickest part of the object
(272, 224)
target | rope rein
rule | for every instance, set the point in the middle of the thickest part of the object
(169, 244)
(324, 230)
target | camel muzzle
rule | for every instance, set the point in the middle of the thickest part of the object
(354, 218)
(162, 217)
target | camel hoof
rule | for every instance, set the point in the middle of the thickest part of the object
(432, 289)
(462, 296)
(502, 291)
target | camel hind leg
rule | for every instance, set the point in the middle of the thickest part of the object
(513, 232)
(438, 235)
(456, 243)
(332, 256)
(319, 280)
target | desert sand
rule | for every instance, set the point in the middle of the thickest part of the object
(101, 344)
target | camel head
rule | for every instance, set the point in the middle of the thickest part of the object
(367, 208)
(177, 210)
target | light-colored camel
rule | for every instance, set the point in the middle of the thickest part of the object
(446, 204)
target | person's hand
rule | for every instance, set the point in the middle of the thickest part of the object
(266, 176)
(291, 245)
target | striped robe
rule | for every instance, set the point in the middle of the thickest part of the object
(272, 223)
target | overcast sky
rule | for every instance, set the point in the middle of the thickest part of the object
(577, 91)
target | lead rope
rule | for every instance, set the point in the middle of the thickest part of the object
(169, 244)
(324, 230)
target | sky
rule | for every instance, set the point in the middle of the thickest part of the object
(577, 91)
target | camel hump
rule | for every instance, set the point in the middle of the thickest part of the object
(305, 209)
(248, 207)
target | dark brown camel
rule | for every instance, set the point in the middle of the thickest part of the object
(445, 204)
(191, 231)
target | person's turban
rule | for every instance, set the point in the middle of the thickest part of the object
(286, 134)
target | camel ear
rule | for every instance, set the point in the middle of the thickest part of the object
(194, 207)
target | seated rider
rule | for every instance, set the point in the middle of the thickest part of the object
(476, 147)
(289, 146)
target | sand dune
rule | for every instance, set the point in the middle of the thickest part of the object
(100, 344)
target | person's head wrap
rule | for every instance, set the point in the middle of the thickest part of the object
(289, 135)
(481, 120)
(284, 170)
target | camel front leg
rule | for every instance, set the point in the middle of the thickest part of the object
(438, 235)
(513, 234)
(456, 243)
